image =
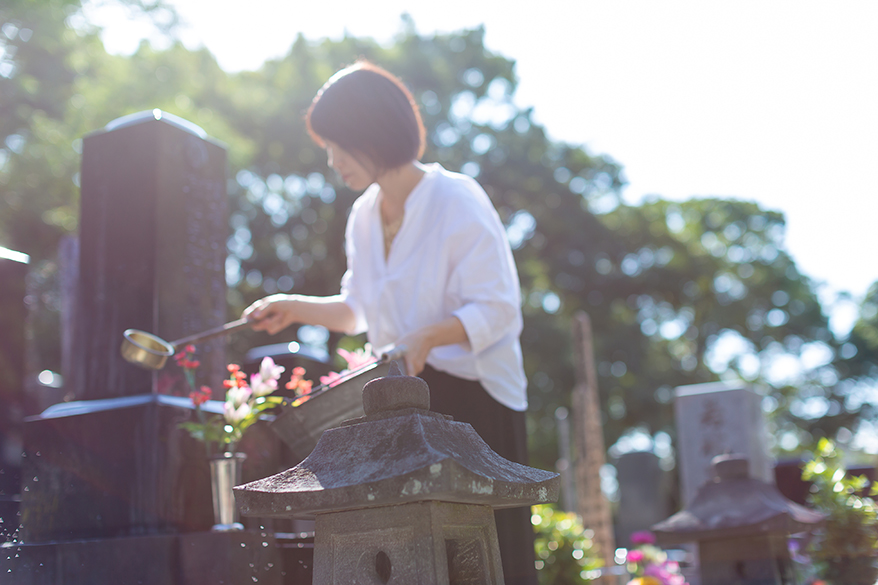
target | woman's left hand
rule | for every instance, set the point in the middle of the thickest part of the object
(419, 343)
(417, 348)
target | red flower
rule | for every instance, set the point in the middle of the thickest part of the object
(298, 384)
(200, 396)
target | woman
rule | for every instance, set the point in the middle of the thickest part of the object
(428, 267)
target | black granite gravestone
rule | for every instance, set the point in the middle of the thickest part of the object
(114, 491)
(13, 270)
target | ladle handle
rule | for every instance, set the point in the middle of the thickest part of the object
(211, 333)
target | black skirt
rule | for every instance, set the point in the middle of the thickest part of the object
(504, 430)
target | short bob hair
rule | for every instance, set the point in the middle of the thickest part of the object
(366, 110)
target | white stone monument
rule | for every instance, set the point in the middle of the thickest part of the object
(715, 419)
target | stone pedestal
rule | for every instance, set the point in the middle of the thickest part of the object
(201, 558)
(116, 467)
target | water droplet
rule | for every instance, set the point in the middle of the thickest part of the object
(36, 478)
(38, 453)
(254, 579)
(243, 545)
(252, 565)
(27, 489)
(264, 544)
(270, 565)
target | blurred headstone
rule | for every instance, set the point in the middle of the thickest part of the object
(642, 498)
(715, 419)
(563, 465)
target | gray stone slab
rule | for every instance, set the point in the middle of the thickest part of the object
(716, 419)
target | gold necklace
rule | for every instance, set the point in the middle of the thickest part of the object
(390, 230)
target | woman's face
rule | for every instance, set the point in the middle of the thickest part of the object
(356, 172)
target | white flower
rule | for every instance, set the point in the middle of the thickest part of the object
(261, 386)
(265, 381)
(234, 415)
(236, 396)
(268, 370)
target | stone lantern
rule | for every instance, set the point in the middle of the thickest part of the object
(741, 525)
(402, 494)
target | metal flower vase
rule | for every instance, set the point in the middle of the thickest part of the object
(225, 473)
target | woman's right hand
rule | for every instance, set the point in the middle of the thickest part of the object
(272, 314)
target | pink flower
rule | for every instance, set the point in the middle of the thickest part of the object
(635, 556)
(358, 358)
(330, 379)
(642, 537)
(270, 370)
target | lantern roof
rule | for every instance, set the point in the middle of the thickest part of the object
(733, 504)
(399, 452)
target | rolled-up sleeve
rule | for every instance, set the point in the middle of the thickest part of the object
(485, 282)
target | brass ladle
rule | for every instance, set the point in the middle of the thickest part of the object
(150, 351)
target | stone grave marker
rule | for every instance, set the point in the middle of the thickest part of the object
(642, 494)
(715, 419)
(115, 491)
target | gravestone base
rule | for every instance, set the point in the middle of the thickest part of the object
(113, 468)
(122, 467)
(199, 558)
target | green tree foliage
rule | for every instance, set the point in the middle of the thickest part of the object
(663, 282)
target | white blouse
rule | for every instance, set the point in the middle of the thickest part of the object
(450, 257)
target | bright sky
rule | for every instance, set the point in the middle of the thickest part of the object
(774, 102)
